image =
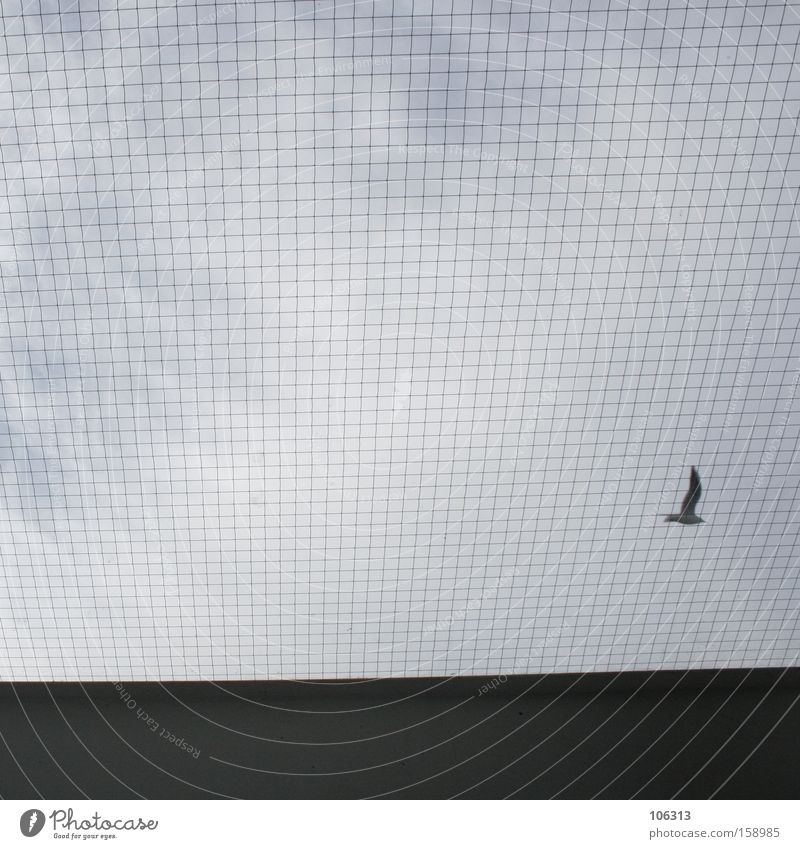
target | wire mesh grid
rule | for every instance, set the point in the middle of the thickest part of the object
(374, 339)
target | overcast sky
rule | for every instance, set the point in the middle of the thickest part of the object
(342, 342)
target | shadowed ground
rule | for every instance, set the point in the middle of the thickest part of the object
(692, 735)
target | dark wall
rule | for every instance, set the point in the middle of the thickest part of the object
(690, 735)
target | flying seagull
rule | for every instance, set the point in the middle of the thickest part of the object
(687, 515)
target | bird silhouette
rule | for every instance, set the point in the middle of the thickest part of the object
(687, 516)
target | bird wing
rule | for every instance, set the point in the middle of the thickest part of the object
(693, 495)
